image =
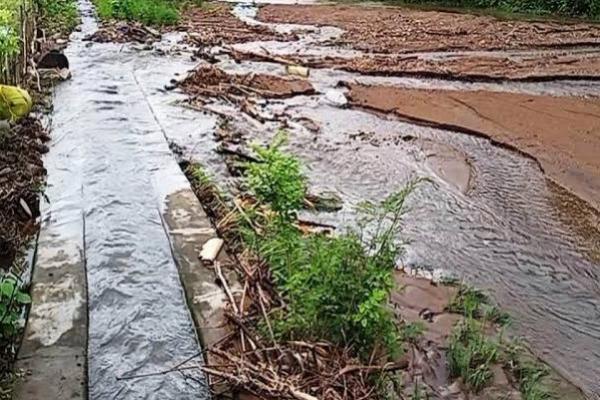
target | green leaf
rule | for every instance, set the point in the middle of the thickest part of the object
(7, 287)
(23, 298)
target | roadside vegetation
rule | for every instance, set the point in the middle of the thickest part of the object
(10, 44)
(149, 12)
(336, 288)
(58, 16)
(477, 343)
(588, 9)
(323, 289)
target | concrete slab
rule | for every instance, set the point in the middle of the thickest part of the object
(53, 352)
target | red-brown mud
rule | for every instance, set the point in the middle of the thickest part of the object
(399, 30)
(561, 133)
(216, 25)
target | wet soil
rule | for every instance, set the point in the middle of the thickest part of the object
(499, 67)
(215, 25)
(562, 134)
(447, 45)
(21, 180)
(207, 80)
(399, 30)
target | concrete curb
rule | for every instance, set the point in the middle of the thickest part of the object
(53, 351)
(189, 228)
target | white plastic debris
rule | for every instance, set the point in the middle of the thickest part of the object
(211, 250)
(298, 70)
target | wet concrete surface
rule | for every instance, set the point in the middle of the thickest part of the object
(110, 166)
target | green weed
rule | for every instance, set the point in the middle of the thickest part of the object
(335, 288)
(473, 303)
(12, 299)
(529, 373)
(471, 353)
(277, 178)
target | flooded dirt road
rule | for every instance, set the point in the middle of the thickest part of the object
(490, 216)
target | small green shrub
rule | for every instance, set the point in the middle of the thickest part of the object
(12, 299)
(59, 16)
(277, 178)
(471, 353)
(335, 288)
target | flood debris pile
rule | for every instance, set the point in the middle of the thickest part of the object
(405, 30)
(324, 316)
(209, 81)
(215, 25)
(124, 32)
(525, 50)
(21, 182)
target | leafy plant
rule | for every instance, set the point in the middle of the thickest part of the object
(12, 299)
(277, 178)
(335, 288)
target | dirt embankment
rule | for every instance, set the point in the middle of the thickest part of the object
(210, 81)
(400, 35)
(562, 133)
(21, 179)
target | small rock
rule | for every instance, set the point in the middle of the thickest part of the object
(336, 98)
(326, 201)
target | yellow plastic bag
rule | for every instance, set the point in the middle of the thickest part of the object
(15, 103)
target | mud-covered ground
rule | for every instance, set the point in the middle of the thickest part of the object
(215, 25)
(561, 133)
(450, 45)
(399, 30)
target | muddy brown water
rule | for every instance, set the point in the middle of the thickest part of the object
(489, 216)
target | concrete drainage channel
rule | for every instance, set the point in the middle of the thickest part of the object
(119, 240)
